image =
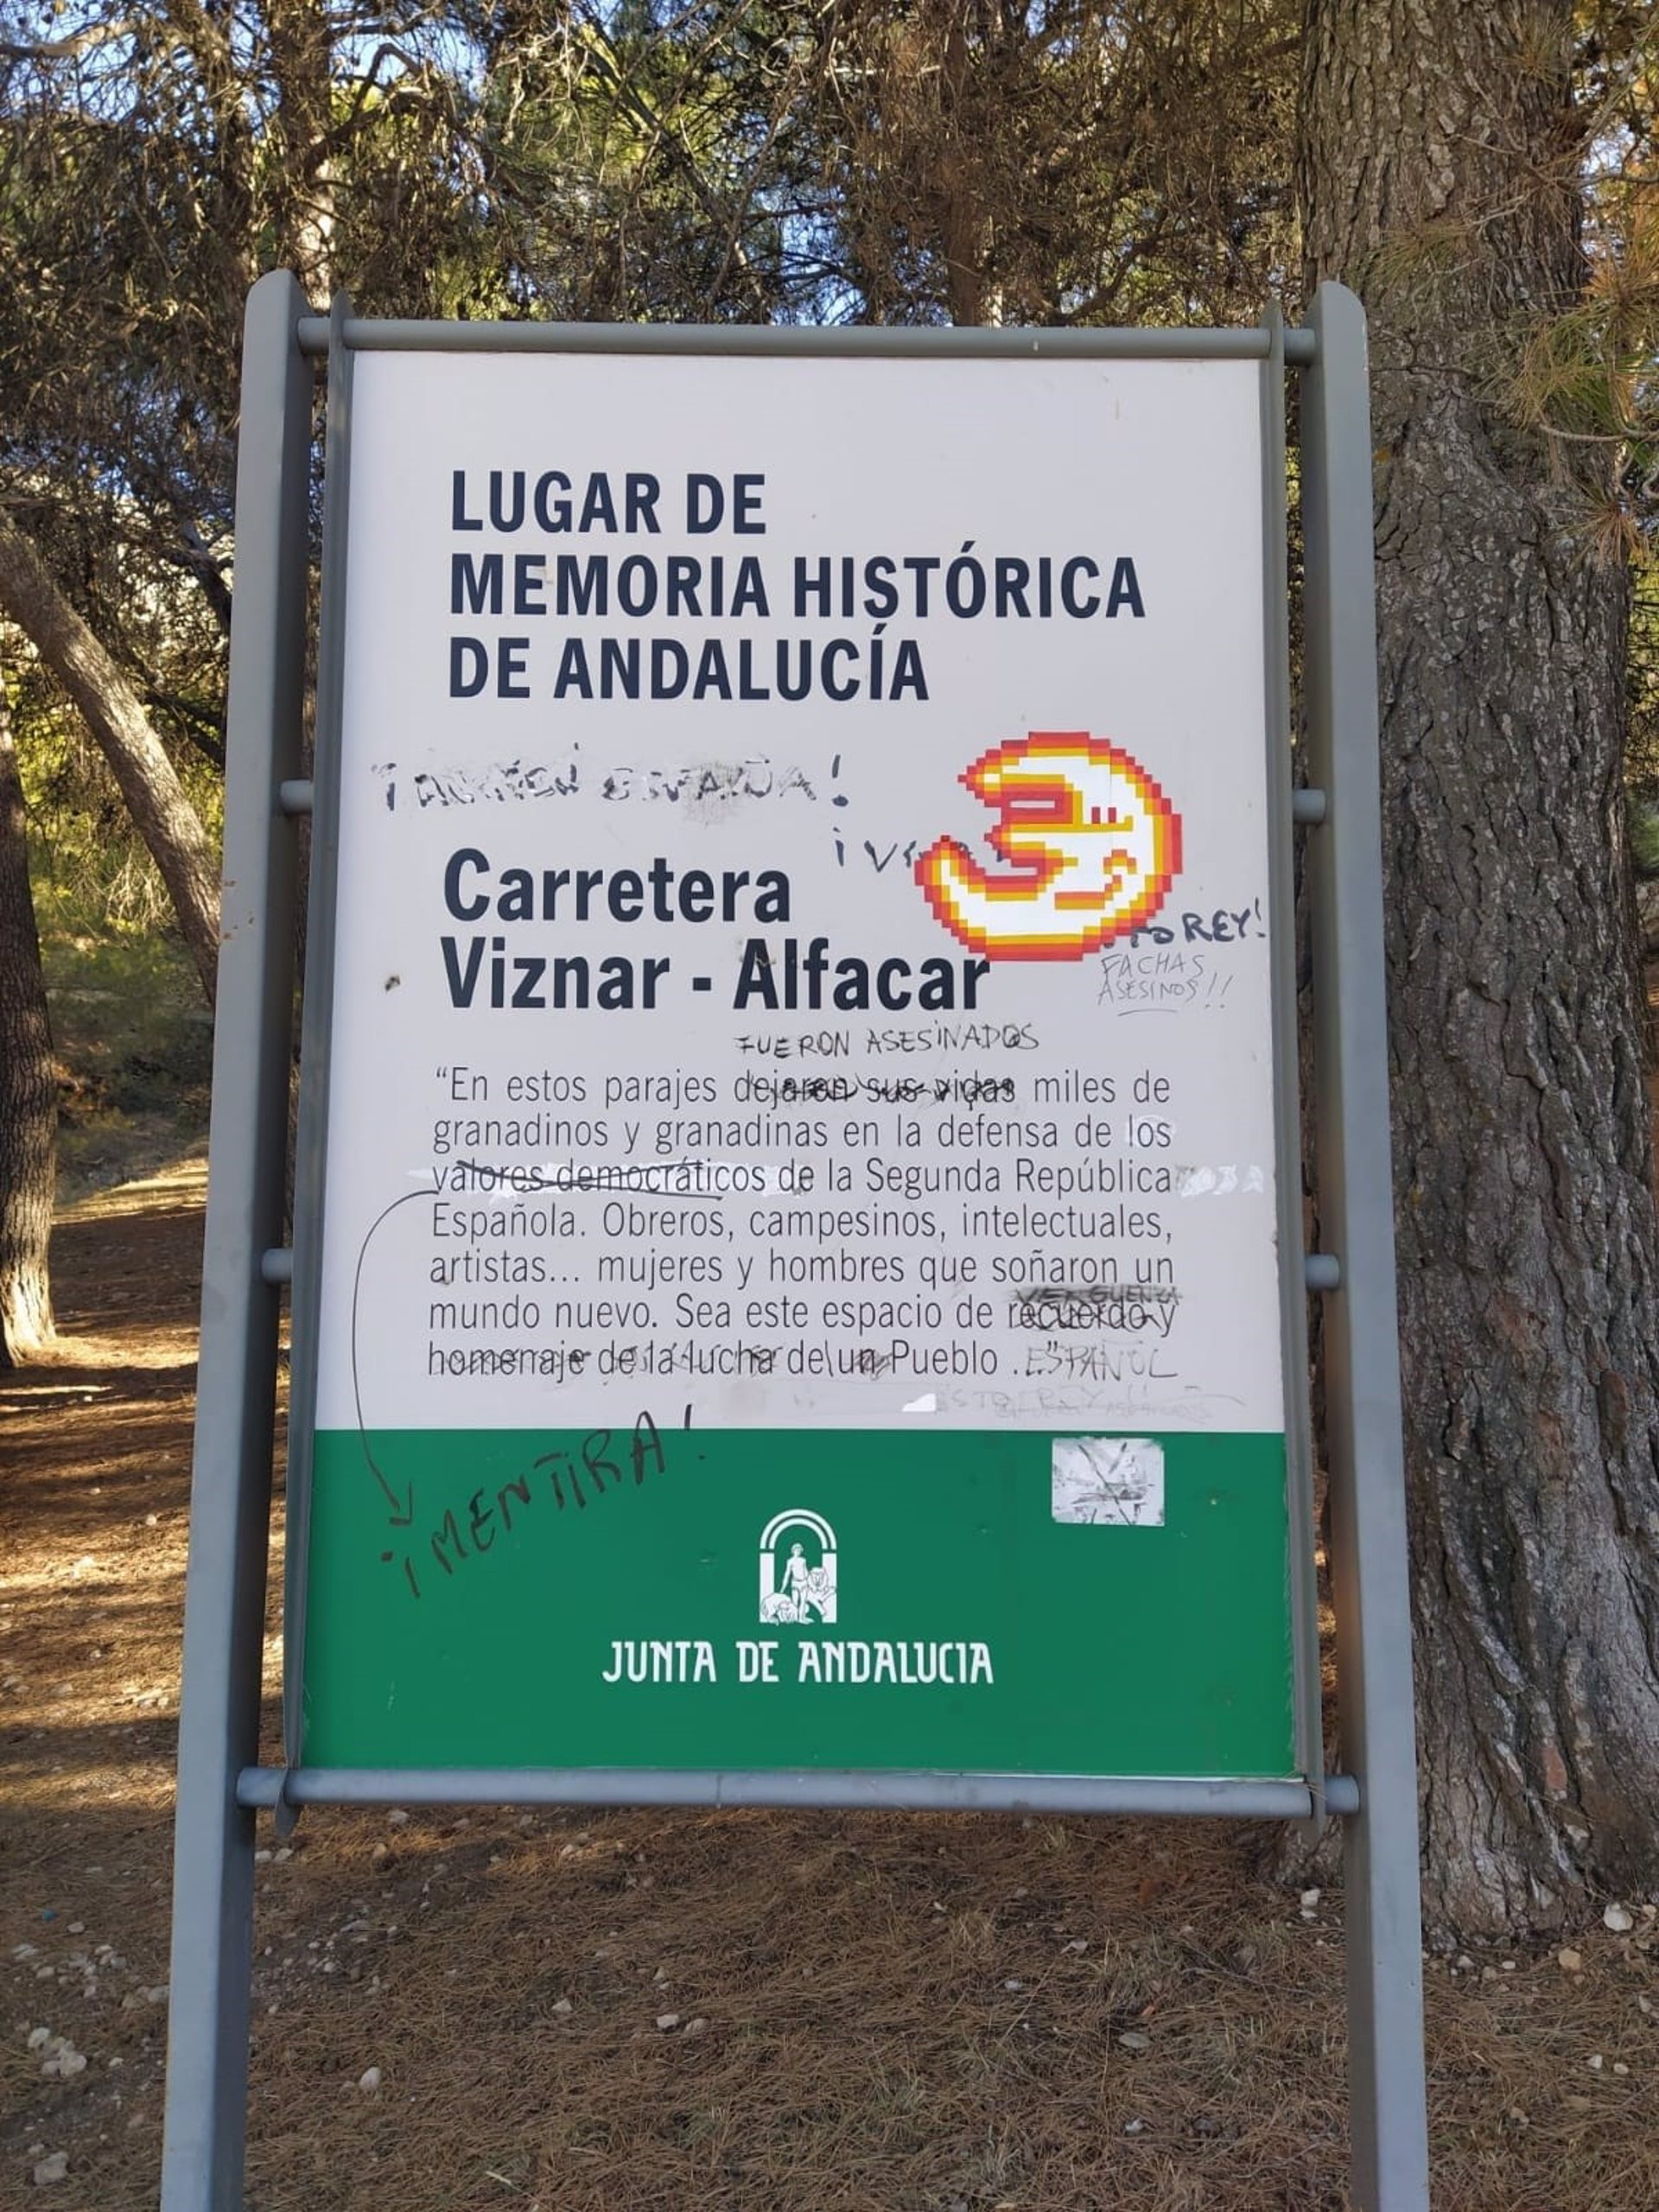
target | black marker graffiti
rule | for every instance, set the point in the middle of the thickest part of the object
(602, 1461)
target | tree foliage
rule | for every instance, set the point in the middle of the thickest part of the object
(735, 160)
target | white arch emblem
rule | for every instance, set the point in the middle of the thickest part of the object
(798, 1593)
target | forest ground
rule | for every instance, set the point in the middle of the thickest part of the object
(606, 2011)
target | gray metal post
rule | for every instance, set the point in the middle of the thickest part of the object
(316, 1025)
(230, 1509)
(1368, 1519)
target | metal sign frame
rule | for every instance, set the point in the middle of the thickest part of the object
(221, 1784)
(906, 1784)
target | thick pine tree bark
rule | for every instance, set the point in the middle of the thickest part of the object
(158, 802)
(1439, 179)
(29, 1090)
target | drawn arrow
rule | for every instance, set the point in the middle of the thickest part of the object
(400, 1509)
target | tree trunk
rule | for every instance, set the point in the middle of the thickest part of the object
(965, 229)
(29, 1090)
(301, 54)
(1439, 177)
(160, 806)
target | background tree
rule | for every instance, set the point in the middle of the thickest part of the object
(28, 1089)
(1443, 176)
(973, 161)
(154, 160)
(1056, 163)
(159, 805)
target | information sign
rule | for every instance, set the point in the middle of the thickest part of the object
(798, 1288)
(799, 1278)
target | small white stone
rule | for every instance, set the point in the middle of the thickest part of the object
(77, 1927)
(564, 2006)
(1570, 1961)
(1466, 1964)
(262, 1858)
(52, 2168)
(696, 2027)
(1134, 2040)
(284, 1850)
(25, 1951)
(1595, 2062)
(1013, 1985)
(1619, 1918)
(39, 2038)
(397, 1818)
(370, 2080)
(667, 2020)
(1619, 2067)
(1135, 2127)
(379, 1850)
(71, 2062)
(1310, 1898)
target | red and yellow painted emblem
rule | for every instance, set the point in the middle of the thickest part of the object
(1092, 844)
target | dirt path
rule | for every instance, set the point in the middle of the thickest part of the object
(596, 2013)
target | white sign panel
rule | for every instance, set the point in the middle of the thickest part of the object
(802, 928)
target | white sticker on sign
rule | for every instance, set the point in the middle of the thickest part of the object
(1108, 1481)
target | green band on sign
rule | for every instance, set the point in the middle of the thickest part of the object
(756, 1598)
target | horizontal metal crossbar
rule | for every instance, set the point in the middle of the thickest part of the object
(1150, 1796)
(364, 334)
